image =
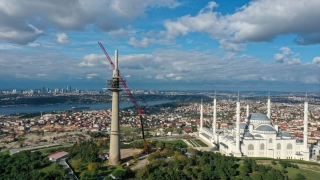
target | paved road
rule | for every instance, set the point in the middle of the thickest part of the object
(14, 151)
(143, 161)
(65, 165)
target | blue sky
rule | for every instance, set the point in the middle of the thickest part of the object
(271, 45)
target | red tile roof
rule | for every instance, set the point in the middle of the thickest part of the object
(57, 155)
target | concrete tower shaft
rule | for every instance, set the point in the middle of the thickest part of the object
(114, 153)
(214, 125)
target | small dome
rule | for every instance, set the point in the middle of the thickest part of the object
(247, 135)
(258, 136)
(258, 117)
(265, 128)
(243, 125)
(285, 135)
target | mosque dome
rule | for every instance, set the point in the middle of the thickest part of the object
(258, 117)
(247, 135)
(265, 129)
(285, 135)
(258, 136)
(243, 125)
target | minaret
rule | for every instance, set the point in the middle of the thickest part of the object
(214, 123)
(269, 107)
(201, 116)
(114, 153)
(305, 127)
(247, 110)
(237, 150)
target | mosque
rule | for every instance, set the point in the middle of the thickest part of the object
(257, 136)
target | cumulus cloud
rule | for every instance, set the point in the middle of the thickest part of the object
(170, 75)
(316, 61)
(23, 21)
(92, 75)
(62, 38)
(287, 56)
(141, 44)
(91, 60)
(257, 21)
(161, 65)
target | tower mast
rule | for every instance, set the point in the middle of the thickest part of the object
(114, 153)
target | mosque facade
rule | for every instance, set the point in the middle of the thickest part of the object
(257, 136)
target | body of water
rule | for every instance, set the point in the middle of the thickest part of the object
(57, 107)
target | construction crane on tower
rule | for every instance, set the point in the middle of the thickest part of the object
(132, 99)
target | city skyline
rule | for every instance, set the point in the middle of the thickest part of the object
(267, 45)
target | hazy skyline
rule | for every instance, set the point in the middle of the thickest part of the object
(271, 45)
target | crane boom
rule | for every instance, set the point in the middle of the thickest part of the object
(124, 85)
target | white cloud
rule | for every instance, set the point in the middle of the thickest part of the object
(170, 75)
(287, 56)
(279, 57)
(231, 47)
(140, 44)
(62, 38)
(41, 75)
(92, 60)
(286, 50)
(18, 75)
(92, 75)
(159, 76)
(316, 61)
(258, 21)
(127, 76)
(122, 32)
(160, 66)
(107, 15)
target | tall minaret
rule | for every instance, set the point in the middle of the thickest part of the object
(114, 153)
(247, 110)
(214, 124)
(237, 150)
(305, 127)
(269, 107)
(201, 116)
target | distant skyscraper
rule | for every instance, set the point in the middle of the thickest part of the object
(43, 90)
(68, 88)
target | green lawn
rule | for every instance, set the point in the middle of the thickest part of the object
(191, 142)
(5, 152)
(292, 172)
(127, 129)
(173, 141)
(202, 144)
(309, 169)
(48, 168)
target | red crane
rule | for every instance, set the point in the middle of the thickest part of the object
(124, 85)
